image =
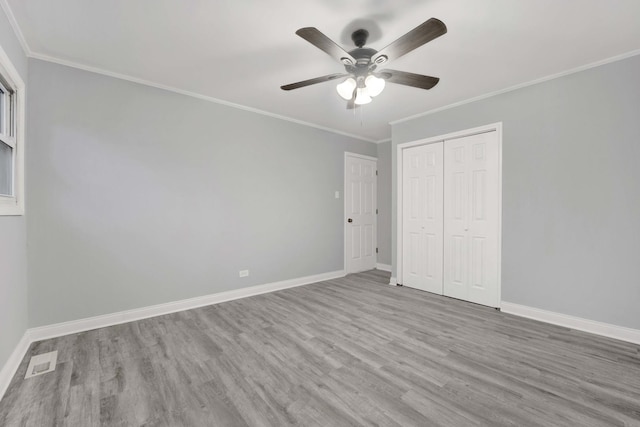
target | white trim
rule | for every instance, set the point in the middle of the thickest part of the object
(31, 54)
(344, 202)
(360, 156)
(521, 85)
(192, 94)
(493, 127)
(344, 212)
(16, 28)
(13, 363)
(393, 281)
(383, 267)
(65, 328)
(75, 326)
(599, 328)
(14, 205)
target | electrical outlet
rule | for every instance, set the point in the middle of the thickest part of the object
(337, 194)
(243, 273)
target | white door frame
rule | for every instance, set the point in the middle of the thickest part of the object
(497, 127)
(344, 208)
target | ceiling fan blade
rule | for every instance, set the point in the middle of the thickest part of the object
(408, 79)
(310, 82)
(324, 43)
(415, 38)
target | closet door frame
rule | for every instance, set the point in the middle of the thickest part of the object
(494, 127)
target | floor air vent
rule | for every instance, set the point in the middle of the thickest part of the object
(41, 364)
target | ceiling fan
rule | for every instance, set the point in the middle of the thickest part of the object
(363, 79)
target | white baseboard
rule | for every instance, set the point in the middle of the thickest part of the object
(81, 325)
(59, 329)
(605, 329)
(11, 366)
(393, 281)
(383, 267)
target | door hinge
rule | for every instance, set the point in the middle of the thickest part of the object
(376, 173)
(376, 211)
(376, 250)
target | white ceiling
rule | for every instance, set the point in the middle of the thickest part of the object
(242, 51)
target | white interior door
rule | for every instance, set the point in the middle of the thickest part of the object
(471, 218)
(360, 214)
(422, 185)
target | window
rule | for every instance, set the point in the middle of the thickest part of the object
(7, 141)
(11, 139)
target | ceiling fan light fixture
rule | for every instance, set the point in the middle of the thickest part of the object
(362, 96)
(345, 89)
(361, 80)
(374, 85)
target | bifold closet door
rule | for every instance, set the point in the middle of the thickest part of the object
(422, 171)
(471, 218)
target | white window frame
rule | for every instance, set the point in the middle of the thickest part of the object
(14, 204)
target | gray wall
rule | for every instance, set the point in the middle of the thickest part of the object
(571, 189)
(13, 270)
(384, 203)
(140, 196)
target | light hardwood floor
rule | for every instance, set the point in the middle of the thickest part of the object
(352, 351)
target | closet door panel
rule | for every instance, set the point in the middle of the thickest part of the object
(422, 217)
(456, 219)
(471, 218)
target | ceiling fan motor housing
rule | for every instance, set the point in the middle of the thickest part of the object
(361, 54)
(360, 37)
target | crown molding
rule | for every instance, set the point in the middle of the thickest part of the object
(200, 96)
(521, 85)
(29, 53)
(35, 55)
(16, 28)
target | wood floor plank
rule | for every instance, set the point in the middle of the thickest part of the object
(345, 352)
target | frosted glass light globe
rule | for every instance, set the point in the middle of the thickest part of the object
(362, 96)
(345, 89)
(374, 85)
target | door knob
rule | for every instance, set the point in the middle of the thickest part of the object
(349, 220)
